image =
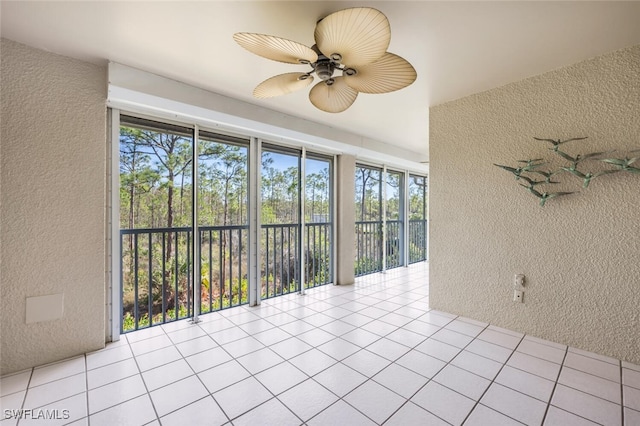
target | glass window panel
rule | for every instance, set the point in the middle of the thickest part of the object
(368, 195)
(318, 191)
(417, 197)
(223, 182)
(395, 183)
(418, 218)
(280, 179)
(155, 176)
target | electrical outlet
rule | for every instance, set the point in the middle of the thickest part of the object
(518, 281)
(518, 296)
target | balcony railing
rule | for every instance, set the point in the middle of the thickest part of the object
(417, 240)
(155, 280)
(224, 267)
(368, 247)
(394, 244)
(318, 254)
(156, 269)
(280, 258)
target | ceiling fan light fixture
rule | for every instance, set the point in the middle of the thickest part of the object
(324, 69)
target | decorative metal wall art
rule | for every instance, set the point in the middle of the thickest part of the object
(530, 170)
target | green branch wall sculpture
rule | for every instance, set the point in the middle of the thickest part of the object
(531, 171)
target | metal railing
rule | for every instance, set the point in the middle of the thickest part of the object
(318, 254)
(155, 264)
(394, 246)
(154, 275)
(417, 240)
(223, 267)
(368, 247)
(281, 258)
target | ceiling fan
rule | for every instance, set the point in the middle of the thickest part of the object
(350, 56)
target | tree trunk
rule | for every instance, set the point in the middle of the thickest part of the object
(170, 210)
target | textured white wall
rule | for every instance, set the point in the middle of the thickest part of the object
(345, 230)
(52, 203)
(581, 253)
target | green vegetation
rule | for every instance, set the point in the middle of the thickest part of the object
(156, 191)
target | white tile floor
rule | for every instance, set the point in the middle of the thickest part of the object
(366, 354)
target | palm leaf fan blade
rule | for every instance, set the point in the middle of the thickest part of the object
(387, 74)
(282, 84)
(335, 97)
(276, 48)
(359, 35)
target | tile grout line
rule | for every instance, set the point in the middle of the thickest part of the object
(371, 377)
(359, 350)
(104, 385)
(556, 381)
(45, 384)
(491, 359)
(592, 375)
(209, 394)
(492, 381)
(86, 377)
(430, 379)
(621, 394)
(555, 385)
(590, 355)
(24, 400)
(335, 337)
(251, 375)
(391, 390)
(142, 378)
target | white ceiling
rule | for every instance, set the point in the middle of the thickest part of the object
(457, 48)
